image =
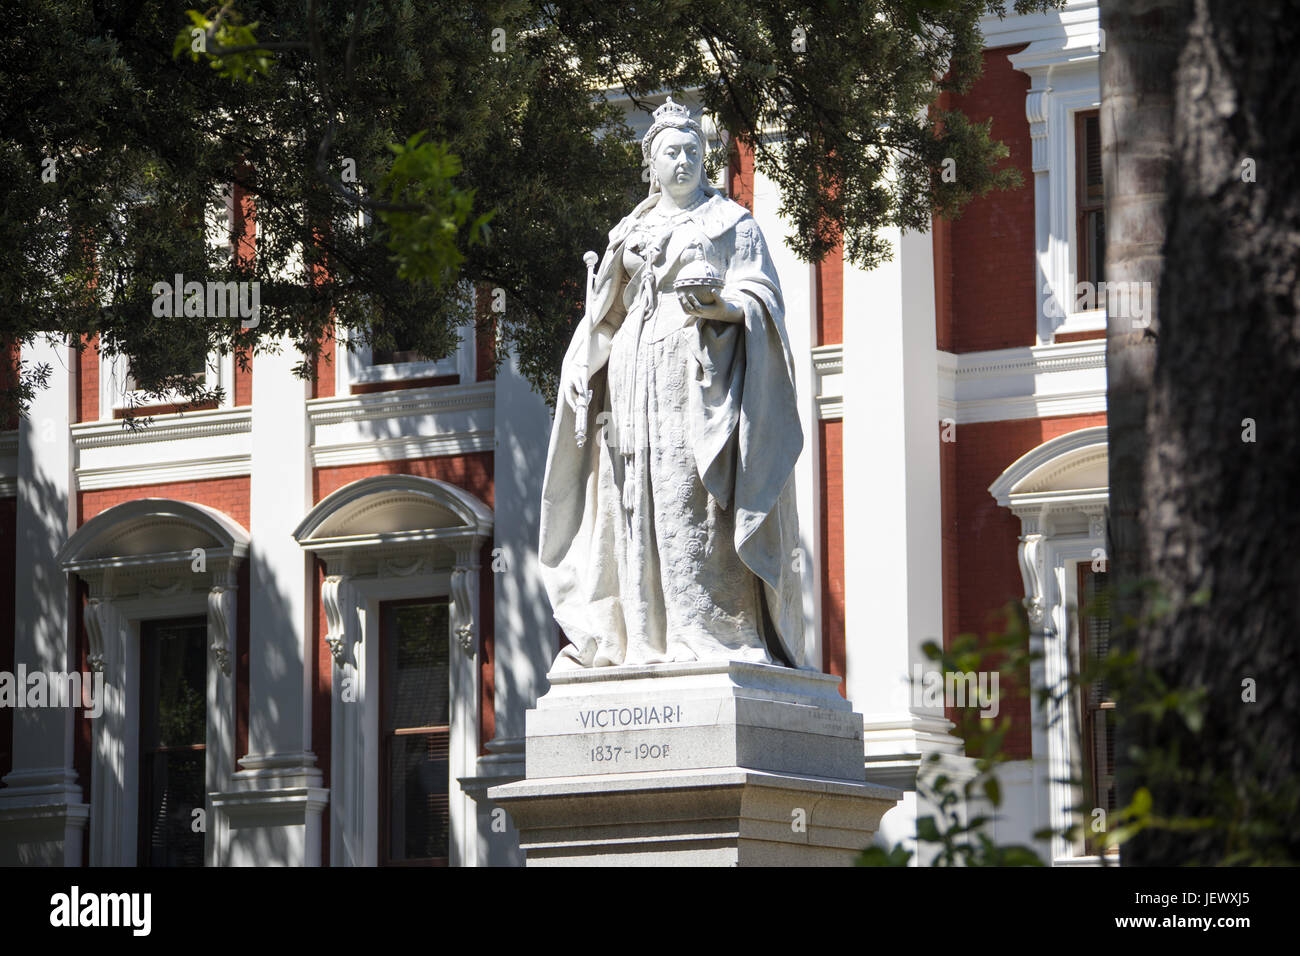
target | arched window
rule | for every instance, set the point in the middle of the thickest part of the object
(400, 599)
(1059, 492)
(160, 617)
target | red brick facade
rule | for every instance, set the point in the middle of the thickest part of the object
(227, 495)
(985, 575)
(992, 244)
(831, 538)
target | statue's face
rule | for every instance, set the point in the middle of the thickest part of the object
(677, 162)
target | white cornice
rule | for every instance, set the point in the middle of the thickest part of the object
(1091, 402)
(1039, 381)
(197, 469)
(404, 402)
(413, 446)
(1078, 18)
(172, 427)
(1032, 360)
(1062, 450)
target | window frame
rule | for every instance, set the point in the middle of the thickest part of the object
(145, 627)
(386, 735)
(359, 369)
(1082, 207)
(1090, 785)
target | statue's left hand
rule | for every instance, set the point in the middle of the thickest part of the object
(719, 309)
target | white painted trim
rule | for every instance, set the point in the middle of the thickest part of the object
(386, 405)
(126, 590)
(1061, 450)
(356, 365)
(1058, 530)
(175, 426)
(1061, 61)
(1040, 381)
(1049, 33)
(91, 479)
(425, 446)
(365, 568)
(411, 423)
(828, 372)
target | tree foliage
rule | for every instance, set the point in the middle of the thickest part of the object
(398, 153)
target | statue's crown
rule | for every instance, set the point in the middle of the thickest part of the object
(670, 115)
(671, 109)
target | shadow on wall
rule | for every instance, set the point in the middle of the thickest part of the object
(42, 605)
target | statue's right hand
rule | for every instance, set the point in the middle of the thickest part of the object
(574, 384)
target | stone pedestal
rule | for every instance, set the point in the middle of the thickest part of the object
(718, 763)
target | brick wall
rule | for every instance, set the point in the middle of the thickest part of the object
(987, 536)
(87, 376)
(227, 495)
(472, 472)
(830, 297)
(741, 175)
(992, 243)
(831, 537)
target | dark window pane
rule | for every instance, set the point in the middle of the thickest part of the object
(173, 731)
(418, 797)
(1096, 239)
(418, 681)
(1092, 158)
(417, 715)
(394, 356)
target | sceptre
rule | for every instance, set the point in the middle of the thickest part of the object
(580, 405)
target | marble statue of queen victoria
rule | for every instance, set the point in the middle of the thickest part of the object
(672, 535)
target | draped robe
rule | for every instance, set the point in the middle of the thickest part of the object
(743, 428)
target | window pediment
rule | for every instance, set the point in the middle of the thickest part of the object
(153, 543)
(1071, 468)
(392, 517)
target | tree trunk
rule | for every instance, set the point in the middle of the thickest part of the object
(1142, 39)
(1222, 469)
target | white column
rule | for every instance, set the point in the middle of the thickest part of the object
(280, 768)
(279, 720)
(42, 813)
(524, 632)
(116, 734)
(797, 285)
(892, 529)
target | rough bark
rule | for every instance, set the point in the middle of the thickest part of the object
(1220, 513)
(1142, 42)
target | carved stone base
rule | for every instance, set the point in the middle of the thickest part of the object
(721, 763)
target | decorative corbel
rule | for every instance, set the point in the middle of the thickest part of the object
(96, 611)
(1036, 113)
(334, 598)
(1031, 558)
(464, 581)
(222, 603)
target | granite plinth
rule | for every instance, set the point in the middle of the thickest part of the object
(708, 763)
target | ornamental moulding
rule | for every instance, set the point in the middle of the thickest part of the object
(395, 527)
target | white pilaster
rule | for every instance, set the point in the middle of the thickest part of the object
(892, 531)
(42, 813)
(279, 784)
